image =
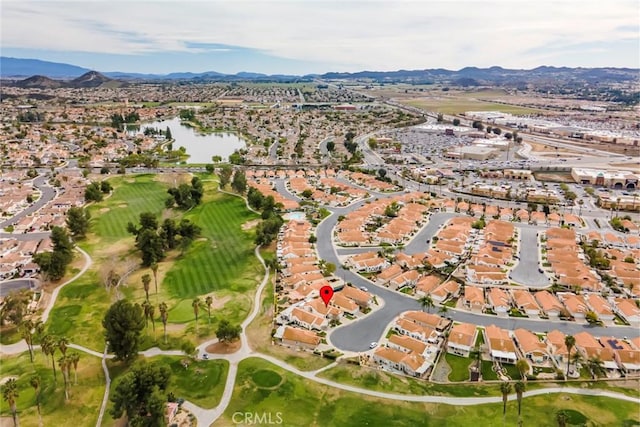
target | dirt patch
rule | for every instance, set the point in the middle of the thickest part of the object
(174, 327)
(224, 348)
(123, 205)
(250, 224)
(174, 179)
(104, 210)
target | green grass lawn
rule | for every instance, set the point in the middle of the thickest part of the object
(85, 400)
(459, 367)
(132, 195)
(224, 257)
(488, 373)
(79, 310)
(299, 402)
(382, 381)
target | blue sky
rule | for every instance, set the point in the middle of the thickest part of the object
(316, 36)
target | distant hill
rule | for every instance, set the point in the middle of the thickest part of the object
(90, 79)
(19, 67)
(39, 82)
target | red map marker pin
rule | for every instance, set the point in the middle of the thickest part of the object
(326, 292)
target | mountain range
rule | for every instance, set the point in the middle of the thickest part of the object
(43, 74)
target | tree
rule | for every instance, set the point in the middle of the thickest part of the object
(456, 122)
(196, 309)
(227, 332)
(239, 183)
(146, 281)
(36, 382)
(569, 342)
(78, 221)
(10, 394)
(505, 388)
(307, 193)
(520, 388)
(164, 316)
(63, 344)
(255, 198)
(154, 270)
(64, 364)
(426, 302)
(49, 345)
(523, 367)
(92, 193)
(331, 146)
(123, 324)
(382, 173)
(140, 394)
(596, 366)
(74, 359)
(561, 418)
(225, 175)
(54, 264)
(208, 301)
(27, 330)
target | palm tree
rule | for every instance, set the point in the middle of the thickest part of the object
(569, 342)
(154, 269)
(561, 418)
(63, 343)
(49, 346)
(426, 302)
(208, 301)
(164, 316)
(64, 367)
(523, 367)
(443, 309)
(576, 359)
(26, 329)
(10, 394)
(146, 280)
(519, 387)
(505, 388)
(145, 307)
(35, 383)
(596, 367)
(196, 309)
(74, 358)
(152, 312)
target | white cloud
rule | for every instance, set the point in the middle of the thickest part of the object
(379, 35)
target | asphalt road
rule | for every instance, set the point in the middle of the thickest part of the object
(47, 194)
(526, 271)
(15, 285)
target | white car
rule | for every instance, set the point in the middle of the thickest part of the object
(373, 345)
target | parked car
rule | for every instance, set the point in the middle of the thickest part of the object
(373, 345)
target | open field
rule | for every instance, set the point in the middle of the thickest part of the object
(453, 105)
(301, 402)
(86, 397)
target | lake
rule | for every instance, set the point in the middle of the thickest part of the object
(200, 147)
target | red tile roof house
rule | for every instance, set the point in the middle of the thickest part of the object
(462, 339)
(628, 310)
(434, 321)
(559, 352)
(499, 301)
(532, 348)
(526, 303)
(298, 338)
(362, 298)
(443, 292)
(368, 262)
(501, 347)
(408, 278)
(600, 306)
(590, 347)
(412, 364)
(426, 284)
(473, 299)
(414, 330)
(407, 344)
(307, 320)
(388, 274)
(550, 305)
(575, 304)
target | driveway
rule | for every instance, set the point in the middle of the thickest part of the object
(527, 271)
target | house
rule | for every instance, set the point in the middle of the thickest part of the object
(498, 300)
(414, 330)
(448, 289)
(307, 320)
(600, 306)
(575, 304)
(363, 298)
(407, 344)
(525, 302)
(410, 363)
(299, 338)
(558, 349)
(429, 320)
(531, 347)
(550, 305)
(473, 298)
(628, 310)
(426, 284)
(408, 278)
(389, 274)
(590, 347)
(462, 339)
(344, 304)
(501, 347)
